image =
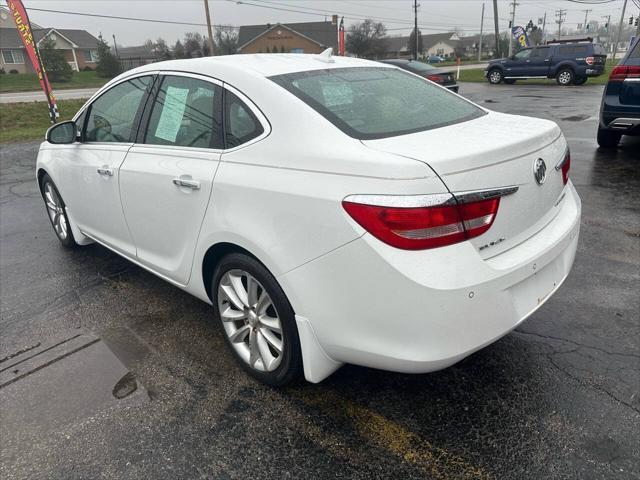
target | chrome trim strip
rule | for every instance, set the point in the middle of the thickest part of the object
(403, 201)
(632, 79)
(478, 195)
(561, 162)
(432, 200)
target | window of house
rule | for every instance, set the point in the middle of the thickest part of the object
(114, 115)
(297, 50)
(241, 125)
(12, 56)
(90, 56)
(186, 113)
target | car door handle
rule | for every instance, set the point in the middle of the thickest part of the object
(106, 171)
(192, 184)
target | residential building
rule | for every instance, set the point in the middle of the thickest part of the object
(441, 44)
(79, 46)
(308, 37)
(468, 46)
(398, 47)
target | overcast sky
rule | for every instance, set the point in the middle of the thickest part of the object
(433, 15)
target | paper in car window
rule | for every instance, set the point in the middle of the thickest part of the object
(172, 112)
(336, 93)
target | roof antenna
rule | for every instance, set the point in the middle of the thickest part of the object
(325, 56)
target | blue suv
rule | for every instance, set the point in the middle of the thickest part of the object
(620, 109)
(568, 63)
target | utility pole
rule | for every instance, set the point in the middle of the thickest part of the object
(495, 24)
(615, 46)
(481, 27)
(513, 19)
(415, 27)
(586, 12)
(115, 45)
(544, 24)
(206, 10)
(560, 14)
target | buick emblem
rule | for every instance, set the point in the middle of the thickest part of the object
(540, 171)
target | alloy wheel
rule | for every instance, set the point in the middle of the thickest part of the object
(495, 76)
(55, 209)
(250, 320)
(565, 78)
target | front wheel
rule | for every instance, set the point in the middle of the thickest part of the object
(494, 76)
(258, 321)
(56, 209)
(565, 77)
(607, 138)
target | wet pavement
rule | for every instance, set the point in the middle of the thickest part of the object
(558, 398)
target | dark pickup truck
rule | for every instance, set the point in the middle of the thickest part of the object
(568, 63)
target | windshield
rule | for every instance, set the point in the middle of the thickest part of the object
(377, 102)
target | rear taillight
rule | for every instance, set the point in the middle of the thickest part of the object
(565, 165)
(421, 222)
(436, 78)
(622, 72)
(590, 60)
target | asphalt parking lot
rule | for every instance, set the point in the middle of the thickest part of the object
(128, 377)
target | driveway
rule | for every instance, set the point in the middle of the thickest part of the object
(109, 372)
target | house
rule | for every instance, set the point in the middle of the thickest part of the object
(468, 46)
(398, 47)
(441, 44)
(79, 46)
(308, 37)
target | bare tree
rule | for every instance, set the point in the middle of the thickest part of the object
(226, 40)
(367, 39)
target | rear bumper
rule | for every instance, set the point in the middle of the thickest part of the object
(594, 72)
(627, 123)
(372, 305)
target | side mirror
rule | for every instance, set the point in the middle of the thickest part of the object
(61, 133)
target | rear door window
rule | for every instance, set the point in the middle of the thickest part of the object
(540, 52)
(186, 113)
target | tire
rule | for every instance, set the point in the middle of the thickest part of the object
(495, 76)
(580, 80)
(509, 81)
(607, 138)
(56, 211)
(254, 332)
(565, 77)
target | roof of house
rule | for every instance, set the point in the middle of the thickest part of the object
(397, 44)
(139, 51)
(9, 37)
(323, 33)
(434, 38)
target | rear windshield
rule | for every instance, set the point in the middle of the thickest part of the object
(377, 102)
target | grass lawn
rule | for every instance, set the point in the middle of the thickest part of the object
(477, 75)
(29, 121)
(25, 82)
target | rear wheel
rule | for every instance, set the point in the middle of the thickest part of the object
(257, 319)
(565, 77)
(494, 76)
(607, 138)
(509, 81)
(56, 209)
(580, 80)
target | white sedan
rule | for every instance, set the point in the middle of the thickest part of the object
(332, 210)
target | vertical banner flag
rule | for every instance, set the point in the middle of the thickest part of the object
(520, 36)
(341, 38)
(23, 25)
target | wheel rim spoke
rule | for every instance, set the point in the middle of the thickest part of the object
(250, 320)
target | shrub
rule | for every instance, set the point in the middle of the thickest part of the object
(14, 71)
(108, 65)
(58, 70)
(2, 72)
(87, 68)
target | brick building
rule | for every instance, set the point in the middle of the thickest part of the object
(308, 37)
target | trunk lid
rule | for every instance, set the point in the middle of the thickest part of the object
(496, 150)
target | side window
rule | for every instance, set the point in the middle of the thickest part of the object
(241, 125)
(523, 54)
(566, 50)
(540, 52)
(112, 117)
(581, 50)
(186, 113)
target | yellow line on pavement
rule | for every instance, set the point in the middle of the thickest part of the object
(437, 462)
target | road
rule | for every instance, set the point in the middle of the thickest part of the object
(38, 95)
(558, 398)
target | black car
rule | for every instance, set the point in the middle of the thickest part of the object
(568, 63)
(620, 108)
(441, 76)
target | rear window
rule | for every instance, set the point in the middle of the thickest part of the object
(372, 102)
(574, 50)
(635, 53)
(599, 50)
